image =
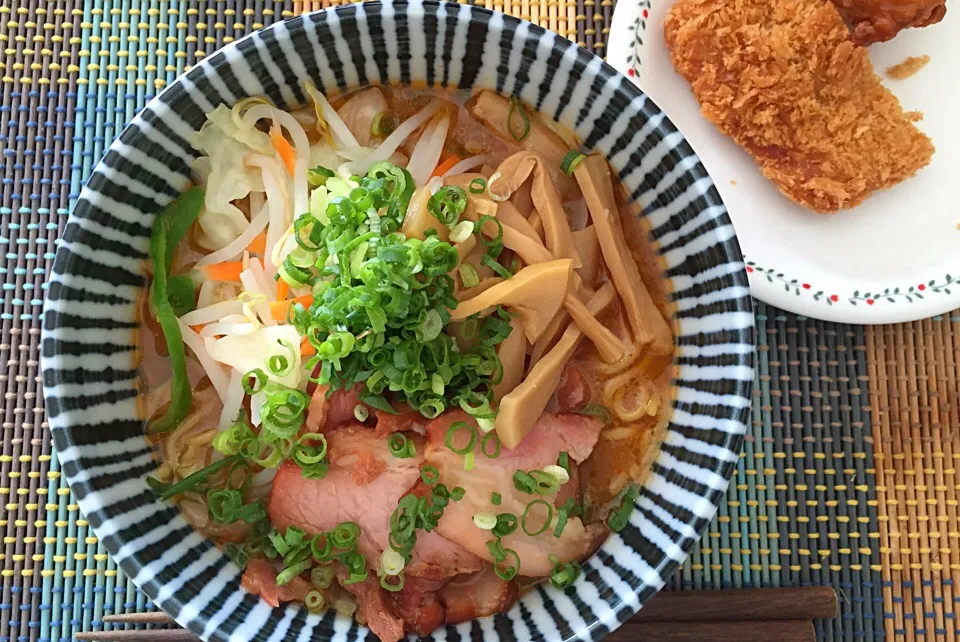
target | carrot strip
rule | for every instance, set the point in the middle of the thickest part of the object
(226, 271)
(306, 348)
(287, 153)
(259, 243)
(446, 165)
(283, 289)
(279, 310)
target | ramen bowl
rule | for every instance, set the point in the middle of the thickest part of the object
(91, 316)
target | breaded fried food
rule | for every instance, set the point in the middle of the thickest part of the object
(878, 20)
(782, 78)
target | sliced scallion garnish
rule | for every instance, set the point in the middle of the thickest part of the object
(570, 162)
(517, 112)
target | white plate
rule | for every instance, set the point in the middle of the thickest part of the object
(894, 258)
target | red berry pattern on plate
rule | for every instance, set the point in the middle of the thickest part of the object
(887, 295)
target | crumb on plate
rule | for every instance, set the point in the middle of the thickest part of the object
(908, 67)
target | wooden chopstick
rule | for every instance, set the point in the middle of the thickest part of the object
(150, 617)
(144, 635)
(722, 631)
(742, 615)
(807, 603)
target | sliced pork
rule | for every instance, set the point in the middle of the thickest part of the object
(405, 419)
(551, 435)
(376, 608)
(363, 484)
(260, 578)
(327, 412)
(478, 595)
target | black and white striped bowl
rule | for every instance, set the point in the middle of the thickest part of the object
(89, 349)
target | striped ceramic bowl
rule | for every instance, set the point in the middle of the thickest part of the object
(89, 351)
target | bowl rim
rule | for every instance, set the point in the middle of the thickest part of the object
(68, 274)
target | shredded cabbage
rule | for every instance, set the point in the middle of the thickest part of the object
(222, 173)
(251, 351)
(323, 155)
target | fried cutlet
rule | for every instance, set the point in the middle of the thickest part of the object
(878, 20)
(782, 78)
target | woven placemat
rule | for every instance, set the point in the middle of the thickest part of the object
(848, 477)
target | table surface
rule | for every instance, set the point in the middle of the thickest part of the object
(849, 474)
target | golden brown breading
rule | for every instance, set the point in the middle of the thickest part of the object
(878, 20)
(782, 78)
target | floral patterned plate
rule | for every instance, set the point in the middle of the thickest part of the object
(894, 258)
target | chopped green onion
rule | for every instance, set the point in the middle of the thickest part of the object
(392, 583)
(400, 446)
(488, 438)
(294, 275)
(236, 554)
(564, 461)
(294, 536)
(392, 562)
(508, 567)
(290, 573)
(563, 514)
(492, 263)
(194, 479)
(360, 412)
(321, 577)
(232, 440)
(547, 484)
(381, 302)
(345, 535)
(461, 231)
(440, 495)
(279, 543)
(520, 130)
(308, 232)
(620, 517)
(495, 499)
(283, 412)
(383, 125)
(314, 601)
(494, 245)
(315, 471)
(506, 524)
(526, 514)
(269, 456)
(321, 546)
(357, 567)
(523, 482)
(497, 552)
(430, 475)
(565, 574)
(447, 204)
(318, 175)
(259, 381)
(310, 449)
(377, 402)
(457, 493)
(599, 411)
(469, 275)
(451, 434)
(477, 186)
(486, 521)
(570, 162)
(468, 461)
(561, 473)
